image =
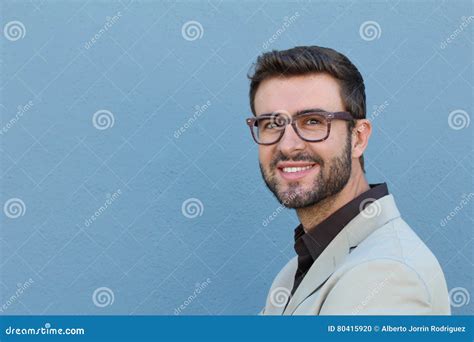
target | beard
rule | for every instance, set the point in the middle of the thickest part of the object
(330, 180)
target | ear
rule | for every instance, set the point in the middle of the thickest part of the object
(360, 137)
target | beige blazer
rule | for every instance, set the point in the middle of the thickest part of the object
(389, 272)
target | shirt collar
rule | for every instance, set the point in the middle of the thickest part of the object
(318, 238)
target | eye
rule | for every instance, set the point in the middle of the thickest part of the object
(270, 125)
(274, 123)
(312, 121)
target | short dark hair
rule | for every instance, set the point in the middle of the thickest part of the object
(304, 60)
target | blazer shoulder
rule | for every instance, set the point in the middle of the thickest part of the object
(397, 241)
(280, 290)
(378, 287)
(404, 255)
(285, 277)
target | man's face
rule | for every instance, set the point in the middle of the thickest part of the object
(326, 164)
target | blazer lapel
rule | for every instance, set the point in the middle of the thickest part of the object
(372, 217)
(321, 270)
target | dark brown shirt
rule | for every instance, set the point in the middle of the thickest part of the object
(309, 246)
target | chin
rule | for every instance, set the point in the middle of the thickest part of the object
(292, 200)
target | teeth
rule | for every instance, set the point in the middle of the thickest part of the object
(296, 169)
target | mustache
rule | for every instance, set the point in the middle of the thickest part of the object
(280, 157)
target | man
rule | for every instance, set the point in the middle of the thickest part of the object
(355, 254)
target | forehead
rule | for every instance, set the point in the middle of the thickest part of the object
(298, 93)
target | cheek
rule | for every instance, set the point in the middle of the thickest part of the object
(265, 154)
(321, 149)
(334, 145)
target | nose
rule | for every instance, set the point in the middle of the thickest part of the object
(290, 142)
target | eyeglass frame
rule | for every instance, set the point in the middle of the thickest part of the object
(329, 116)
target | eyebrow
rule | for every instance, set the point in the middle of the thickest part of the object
(311, 110)
(303, 111)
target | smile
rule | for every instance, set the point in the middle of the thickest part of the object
(296, 170)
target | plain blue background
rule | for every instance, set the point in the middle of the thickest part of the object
(151, 79)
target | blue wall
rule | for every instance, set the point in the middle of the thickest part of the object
(125, 110)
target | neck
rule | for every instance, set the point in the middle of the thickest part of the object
(315, 214)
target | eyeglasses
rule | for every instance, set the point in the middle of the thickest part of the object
(310, 126)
